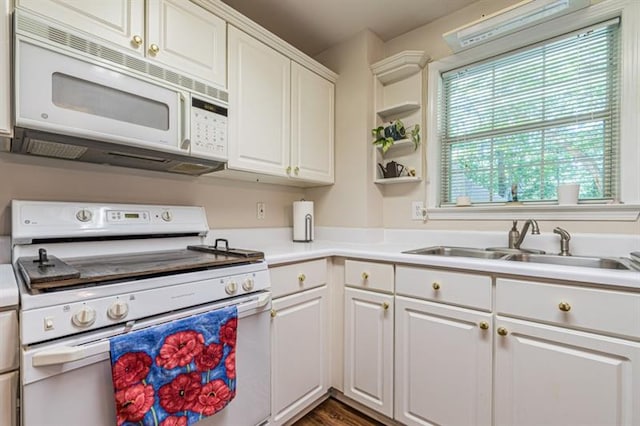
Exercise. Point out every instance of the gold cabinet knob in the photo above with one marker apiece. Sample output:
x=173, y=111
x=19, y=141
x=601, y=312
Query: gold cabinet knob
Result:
x=288, y=169
x=502, y=331
x=301, y=278
x=365, y=276
x=296, y=170
x=136, y=41
x=385, y=306
x=274, y=313
x=436, y=286
x=564, y=306
x=154, y=49
x=483, y=325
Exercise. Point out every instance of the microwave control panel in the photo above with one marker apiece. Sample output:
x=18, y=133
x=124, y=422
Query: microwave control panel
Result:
x=208, y=129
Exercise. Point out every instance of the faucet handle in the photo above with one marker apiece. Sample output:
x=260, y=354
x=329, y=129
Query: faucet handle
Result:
x=564, y=240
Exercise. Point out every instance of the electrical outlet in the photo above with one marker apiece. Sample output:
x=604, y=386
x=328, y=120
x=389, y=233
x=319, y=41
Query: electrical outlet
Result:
x=261, y=210
x=417, y=210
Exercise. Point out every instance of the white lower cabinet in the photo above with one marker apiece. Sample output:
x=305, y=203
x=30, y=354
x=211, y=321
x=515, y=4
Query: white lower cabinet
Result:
x=368, y=363
x=443, y=364
x=299, y=352
x=547, y=375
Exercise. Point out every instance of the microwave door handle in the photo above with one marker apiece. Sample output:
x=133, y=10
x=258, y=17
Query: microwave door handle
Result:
x=185, y=142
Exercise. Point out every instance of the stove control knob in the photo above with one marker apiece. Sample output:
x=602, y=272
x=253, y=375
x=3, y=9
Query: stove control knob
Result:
x=247, y=285
x=118, y=310
x=84, y=215
x=84, y=317
x=166, y=216
x=231, y=287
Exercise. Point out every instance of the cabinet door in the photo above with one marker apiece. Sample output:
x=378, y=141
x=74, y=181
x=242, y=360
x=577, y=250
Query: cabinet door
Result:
x=443, y=364
x=259, y=106
x=189, y=38
x=8, y=395
x=117, y=21
x=368, y=358
x=5, y=72
x=549, y=376
x=299, y=358
x=312, y=128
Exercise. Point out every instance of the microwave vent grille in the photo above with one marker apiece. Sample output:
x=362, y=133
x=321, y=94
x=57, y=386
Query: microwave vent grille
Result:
x=54, y=149
x=28, y=25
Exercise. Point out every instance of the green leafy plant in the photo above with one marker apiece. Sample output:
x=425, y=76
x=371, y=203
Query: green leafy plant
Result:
x=385, y=137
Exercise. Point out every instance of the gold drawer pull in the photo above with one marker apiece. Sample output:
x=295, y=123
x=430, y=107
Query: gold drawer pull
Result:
x=136, y=41
x=436, y=286
x=301, y=278
x=502, y=331
x=154, y=49
x=483, y=325
x=365, y=276
x=274, y=313
x=564, y=306
x=385, y=306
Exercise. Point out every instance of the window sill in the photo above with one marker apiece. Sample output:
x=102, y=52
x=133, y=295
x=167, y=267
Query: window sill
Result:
x=604, y=212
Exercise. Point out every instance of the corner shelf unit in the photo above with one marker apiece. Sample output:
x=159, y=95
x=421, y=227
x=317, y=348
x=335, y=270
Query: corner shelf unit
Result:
x=398, y=96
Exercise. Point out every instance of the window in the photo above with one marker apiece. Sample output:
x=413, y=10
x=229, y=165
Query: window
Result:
x=532, y=119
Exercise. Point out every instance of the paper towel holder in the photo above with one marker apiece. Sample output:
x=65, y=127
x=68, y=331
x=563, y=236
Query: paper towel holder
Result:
x=304, y=233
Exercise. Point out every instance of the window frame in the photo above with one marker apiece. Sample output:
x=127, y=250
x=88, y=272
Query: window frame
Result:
x=629, y=151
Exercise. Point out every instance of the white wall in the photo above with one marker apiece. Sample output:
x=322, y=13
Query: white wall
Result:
x=395, y=200
x=229, y=204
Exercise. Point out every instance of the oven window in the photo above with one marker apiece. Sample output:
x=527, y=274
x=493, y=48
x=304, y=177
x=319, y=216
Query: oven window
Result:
x=91, y=98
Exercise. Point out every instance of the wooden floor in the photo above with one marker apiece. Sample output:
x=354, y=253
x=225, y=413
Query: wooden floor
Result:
x=333, y=413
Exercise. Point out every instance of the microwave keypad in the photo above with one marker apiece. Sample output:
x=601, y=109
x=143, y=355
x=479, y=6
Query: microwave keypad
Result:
x=209, y=133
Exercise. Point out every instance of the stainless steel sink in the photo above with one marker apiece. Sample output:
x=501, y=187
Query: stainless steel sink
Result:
x=520, y=255
x=581, y=261
x=458, y=252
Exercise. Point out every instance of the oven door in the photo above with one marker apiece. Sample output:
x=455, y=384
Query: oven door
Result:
x=68, y=382
x=69, y=96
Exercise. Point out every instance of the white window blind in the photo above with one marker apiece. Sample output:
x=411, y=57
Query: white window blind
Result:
x=538, y=117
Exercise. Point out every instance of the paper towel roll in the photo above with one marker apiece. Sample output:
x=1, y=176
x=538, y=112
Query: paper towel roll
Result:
x=303, y=221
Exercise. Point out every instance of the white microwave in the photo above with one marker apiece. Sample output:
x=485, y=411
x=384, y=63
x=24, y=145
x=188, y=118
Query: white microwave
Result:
x=72, y=106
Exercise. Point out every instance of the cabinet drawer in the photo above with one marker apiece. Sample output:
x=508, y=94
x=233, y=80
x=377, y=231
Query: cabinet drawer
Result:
x=298, y=277
x=456, y=288
x=369, y=275
x=594, y=309
x=9, y=346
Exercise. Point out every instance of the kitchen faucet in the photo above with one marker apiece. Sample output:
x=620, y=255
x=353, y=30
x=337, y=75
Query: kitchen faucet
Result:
x=564, y=241
x=517, y=237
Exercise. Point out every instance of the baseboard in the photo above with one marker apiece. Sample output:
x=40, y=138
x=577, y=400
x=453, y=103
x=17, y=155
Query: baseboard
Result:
x=336, y=394
x=308, y=408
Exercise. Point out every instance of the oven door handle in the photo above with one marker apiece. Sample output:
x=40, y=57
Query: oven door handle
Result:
x=64, y=354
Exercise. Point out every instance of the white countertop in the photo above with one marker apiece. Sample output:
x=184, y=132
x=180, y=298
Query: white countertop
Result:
x=8, y=287
x=284, y=252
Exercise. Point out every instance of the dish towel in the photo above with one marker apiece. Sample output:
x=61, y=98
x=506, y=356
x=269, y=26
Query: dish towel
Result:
x=177, y=373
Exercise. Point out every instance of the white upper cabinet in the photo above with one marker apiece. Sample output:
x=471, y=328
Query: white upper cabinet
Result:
x=280, y=114
x=312, y=112
x=187, y=35
x=175, y=33
x=5, y=72
x=259, y=106
x=119, y=21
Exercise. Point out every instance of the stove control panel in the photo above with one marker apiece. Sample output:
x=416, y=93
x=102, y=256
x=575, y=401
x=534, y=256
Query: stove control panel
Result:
x=128, y=216
x=67, y=319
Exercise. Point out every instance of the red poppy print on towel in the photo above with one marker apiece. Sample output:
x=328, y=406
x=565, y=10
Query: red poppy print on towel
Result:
x=213, y=398
x=179, y=349
x=230, y=364
x=174, y=421
x=209, y=358
x=133, y=403
x=181, y=393
x=130, y=369
x=228, y=332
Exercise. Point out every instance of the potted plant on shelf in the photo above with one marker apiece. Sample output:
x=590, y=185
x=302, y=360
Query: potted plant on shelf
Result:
x=385, y=137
